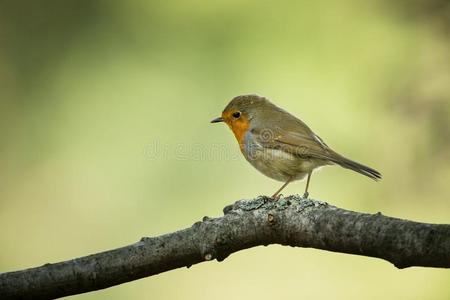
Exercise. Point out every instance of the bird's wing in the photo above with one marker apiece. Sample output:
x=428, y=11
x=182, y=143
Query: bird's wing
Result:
x=303, y=143
x=307, y=144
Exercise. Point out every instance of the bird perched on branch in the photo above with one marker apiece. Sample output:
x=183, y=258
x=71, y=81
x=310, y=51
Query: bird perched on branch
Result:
x=280, y=145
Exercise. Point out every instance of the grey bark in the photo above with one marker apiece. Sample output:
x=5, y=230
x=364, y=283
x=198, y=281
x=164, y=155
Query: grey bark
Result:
x=290, y=221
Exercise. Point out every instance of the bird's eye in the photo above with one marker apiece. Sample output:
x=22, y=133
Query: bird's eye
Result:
x=236, y=115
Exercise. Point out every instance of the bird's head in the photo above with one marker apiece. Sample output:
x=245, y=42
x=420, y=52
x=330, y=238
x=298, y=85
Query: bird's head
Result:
x=241, y=112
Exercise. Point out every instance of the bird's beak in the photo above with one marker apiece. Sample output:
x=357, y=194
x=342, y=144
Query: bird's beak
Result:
x=217, y=120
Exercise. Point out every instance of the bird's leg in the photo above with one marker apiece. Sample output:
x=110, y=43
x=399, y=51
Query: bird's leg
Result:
x=276, y=196
x=306, y=194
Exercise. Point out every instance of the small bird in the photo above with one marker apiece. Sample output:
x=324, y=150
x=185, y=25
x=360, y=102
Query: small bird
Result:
x=280, y=145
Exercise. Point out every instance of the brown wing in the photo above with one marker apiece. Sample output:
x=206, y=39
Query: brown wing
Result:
x=304, y=144
x=307, y=144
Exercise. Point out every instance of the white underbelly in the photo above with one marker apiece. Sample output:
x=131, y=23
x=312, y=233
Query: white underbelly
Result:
x=281, y=165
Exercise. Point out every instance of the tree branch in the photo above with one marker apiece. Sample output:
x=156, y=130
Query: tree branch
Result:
x=290, y=221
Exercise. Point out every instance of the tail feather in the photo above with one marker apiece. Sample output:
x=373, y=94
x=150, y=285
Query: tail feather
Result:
x=357, y=167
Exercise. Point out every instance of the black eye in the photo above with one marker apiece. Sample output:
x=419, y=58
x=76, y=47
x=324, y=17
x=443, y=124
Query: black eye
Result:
x=236, y=115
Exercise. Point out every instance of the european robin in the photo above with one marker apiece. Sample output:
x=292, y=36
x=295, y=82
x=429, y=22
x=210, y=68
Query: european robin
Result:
x=280, y=145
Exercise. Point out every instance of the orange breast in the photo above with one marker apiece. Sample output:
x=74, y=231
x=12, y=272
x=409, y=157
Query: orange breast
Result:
x=240, y=128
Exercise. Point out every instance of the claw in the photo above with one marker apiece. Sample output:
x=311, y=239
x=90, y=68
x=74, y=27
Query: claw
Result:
x=306, y=195
x=276, y=197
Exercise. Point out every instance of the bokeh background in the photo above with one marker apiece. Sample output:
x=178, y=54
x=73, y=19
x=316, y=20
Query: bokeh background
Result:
x=105, y=134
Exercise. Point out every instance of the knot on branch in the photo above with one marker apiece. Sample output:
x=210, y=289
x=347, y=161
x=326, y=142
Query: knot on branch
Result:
x=212, y=240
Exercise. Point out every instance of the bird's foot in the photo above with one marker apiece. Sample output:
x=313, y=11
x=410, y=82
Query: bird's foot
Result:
x=276, y=197
x=305, y=195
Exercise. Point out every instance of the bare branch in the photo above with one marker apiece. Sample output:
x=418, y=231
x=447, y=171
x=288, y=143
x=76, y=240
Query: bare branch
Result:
x=290, y=221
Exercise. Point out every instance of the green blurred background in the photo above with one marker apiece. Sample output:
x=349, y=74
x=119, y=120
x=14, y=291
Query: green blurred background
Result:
x=105, y=134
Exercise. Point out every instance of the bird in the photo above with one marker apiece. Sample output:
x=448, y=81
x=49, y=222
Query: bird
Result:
x=280, y=145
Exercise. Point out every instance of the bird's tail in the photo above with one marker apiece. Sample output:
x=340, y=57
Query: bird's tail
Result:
x=357, y=167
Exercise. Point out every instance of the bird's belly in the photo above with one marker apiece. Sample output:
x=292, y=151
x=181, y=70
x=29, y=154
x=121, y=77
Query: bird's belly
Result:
x=278, y=164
